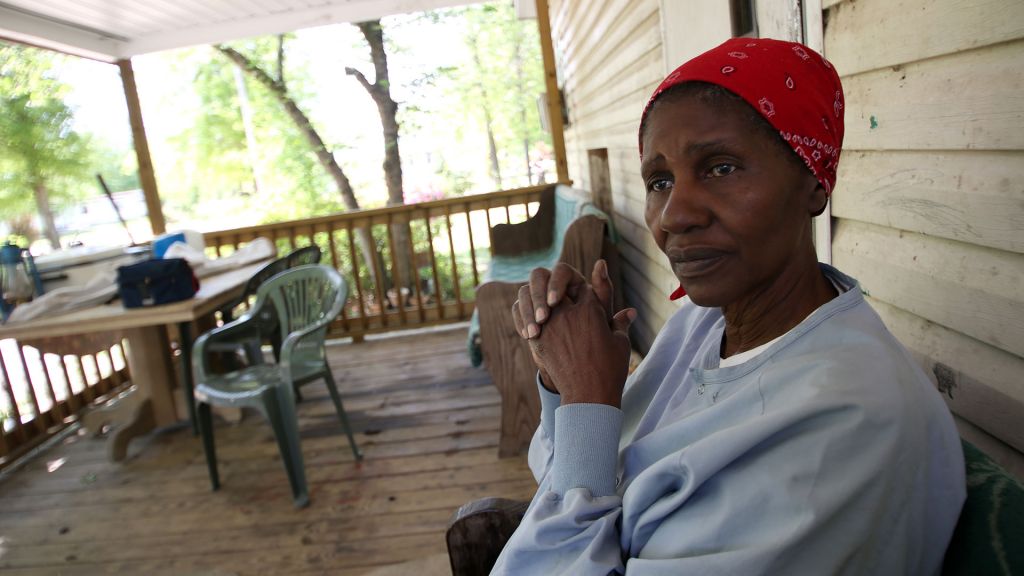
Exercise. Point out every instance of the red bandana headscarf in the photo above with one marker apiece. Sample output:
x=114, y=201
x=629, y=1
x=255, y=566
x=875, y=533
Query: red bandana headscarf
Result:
x=793, y=87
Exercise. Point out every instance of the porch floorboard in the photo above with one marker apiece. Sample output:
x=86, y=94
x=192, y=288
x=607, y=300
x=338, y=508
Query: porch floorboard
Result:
x=426, y=421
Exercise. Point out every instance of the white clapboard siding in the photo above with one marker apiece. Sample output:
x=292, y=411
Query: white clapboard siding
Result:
x=969, y=196
x=972, y=289
x=609, y=37
x=869, y=34
x=979, y=382
x=929, y=208
x=610, y=59
x=968, y=100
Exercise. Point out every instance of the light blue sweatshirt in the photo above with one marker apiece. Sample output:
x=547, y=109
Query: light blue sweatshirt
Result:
x=829, y=453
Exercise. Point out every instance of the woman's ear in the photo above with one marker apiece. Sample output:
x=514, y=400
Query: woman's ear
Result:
x=818, y=199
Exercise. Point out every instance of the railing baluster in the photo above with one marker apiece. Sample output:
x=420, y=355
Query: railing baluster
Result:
x=354, y=258
x=508, y=215
x=5, y=447
x=100, y=386
x=116, y=379
x=15, y=409
x=396, y=274
x=87, y=392
x=39, y=420
x=415, y=270
x=472, y=247
x=455, y=267
x=120, y=353
x=74, y=405
x=291, y=238
x=333, y=250
x=56, y=411
x=487, y=211
x=438, y=292
x=378, y=278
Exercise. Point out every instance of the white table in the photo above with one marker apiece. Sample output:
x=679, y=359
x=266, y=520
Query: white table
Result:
x=152, y=403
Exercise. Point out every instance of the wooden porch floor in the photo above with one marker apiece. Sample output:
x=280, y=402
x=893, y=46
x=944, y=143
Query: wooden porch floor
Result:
x=426, y=421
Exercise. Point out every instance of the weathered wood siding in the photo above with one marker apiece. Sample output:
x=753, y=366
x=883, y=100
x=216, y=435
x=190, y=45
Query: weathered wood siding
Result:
x=610, y=58
x=929, y=210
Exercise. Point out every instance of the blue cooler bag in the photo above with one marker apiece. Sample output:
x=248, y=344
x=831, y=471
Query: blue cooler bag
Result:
x=156, y=282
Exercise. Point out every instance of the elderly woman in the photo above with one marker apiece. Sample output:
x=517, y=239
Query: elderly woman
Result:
x=776, y=426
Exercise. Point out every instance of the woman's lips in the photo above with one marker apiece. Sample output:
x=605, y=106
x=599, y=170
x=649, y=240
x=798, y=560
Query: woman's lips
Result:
x=697, y=261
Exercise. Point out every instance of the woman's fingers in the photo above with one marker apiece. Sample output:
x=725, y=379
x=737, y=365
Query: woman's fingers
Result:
x=526, y=322
x=603, y=288
x=565, y=281
x=623, y=320
x=517, y=320
x=539, y=279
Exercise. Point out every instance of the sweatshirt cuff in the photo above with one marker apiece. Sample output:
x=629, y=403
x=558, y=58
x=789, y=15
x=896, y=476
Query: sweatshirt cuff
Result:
x=549, y=402
x=586, y=448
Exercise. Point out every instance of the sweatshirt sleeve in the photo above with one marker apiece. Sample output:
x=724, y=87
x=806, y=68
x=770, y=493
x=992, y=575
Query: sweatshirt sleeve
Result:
x=542, y=445
x=572, y=525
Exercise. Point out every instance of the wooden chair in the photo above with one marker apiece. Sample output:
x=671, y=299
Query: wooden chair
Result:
x=566, y=228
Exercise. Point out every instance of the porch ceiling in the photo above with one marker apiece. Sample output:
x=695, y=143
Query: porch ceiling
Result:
x=110, y=30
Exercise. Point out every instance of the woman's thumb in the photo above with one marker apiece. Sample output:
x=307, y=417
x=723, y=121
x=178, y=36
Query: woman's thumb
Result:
x=623, y=320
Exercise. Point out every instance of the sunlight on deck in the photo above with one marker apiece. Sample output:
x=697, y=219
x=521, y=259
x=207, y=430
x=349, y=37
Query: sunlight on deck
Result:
x=426, y=421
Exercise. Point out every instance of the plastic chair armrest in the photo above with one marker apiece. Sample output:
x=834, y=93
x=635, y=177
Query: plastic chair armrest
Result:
x=232, y=331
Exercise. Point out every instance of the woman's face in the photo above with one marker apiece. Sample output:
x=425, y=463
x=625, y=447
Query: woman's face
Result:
x=725, y=203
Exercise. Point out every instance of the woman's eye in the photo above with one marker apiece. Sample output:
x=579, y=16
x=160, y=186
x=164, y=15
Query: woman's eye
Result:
x=659, y=185
x=723, y=169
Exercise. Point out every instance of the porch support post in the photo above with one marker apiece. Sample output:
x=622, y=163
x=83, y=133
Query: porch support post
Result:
x=146, y=176
x=554, y=97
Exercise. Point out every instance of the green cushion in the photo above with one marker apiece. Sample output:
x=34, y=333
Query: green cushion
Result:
x=989, y=537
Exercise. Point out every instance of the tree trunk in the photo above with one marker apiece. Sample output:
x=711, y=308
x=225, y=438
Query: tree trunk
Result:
x=301, y=121
x=521, y=98
x=387, y=108
x=323, y=155
x=46, y=214
x=492, y=148
x=250, y=133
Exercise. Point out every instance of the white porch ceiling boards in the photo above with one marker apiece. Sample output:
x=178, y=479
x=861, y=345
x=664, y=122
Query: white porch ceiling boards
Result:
x=110, y=30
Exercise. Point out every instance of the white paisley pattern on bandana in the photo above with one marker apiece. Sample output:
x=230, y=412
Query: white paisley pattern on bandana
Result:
x=793, y=87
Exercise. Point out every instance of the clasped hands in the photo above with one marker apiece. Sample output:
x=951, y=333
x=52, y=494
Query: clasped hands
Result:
x=580, y=345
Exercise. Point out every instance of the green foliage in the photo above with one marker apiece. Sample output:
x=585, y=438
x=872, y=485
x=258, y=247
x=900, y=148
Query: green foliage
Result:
x=38, y=145
x=499, y=70
x=212, y=163
x=509, y=68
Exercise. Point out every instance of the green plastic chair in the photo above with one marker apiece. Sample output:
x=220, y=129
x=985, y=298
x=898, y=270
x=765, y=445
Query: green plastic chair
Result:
x=252, y=346
x=305, y=299
x=306, y=255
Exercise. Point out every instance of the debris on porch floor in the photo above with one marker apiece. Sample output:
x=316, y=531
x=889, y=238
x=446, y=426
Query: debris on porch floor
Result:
x=425, y=420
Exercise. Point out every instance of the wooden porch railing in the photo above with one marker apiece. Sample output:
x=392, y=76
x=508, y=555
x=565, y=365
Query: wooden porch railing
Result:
x=445, y=244
x=45, y=385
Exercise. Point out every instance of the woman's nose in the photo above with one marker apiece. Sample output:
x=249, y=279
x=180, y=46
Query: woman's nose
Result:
x=684, y=210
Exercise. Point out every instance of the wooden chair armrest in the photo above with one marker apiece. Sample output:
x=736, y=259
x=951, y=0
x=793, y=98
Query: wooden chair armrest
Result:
x=535, y=233
x=478, y=531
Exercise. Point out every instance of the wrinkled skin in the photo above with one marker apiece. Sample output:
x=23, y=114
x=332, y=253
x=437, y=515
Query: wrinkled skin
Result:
x=583, y=353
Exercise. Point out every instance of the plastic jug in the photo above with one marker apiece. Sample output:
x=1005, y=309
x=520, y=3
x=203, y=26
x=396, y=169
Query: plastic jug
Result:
x=19, y=279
